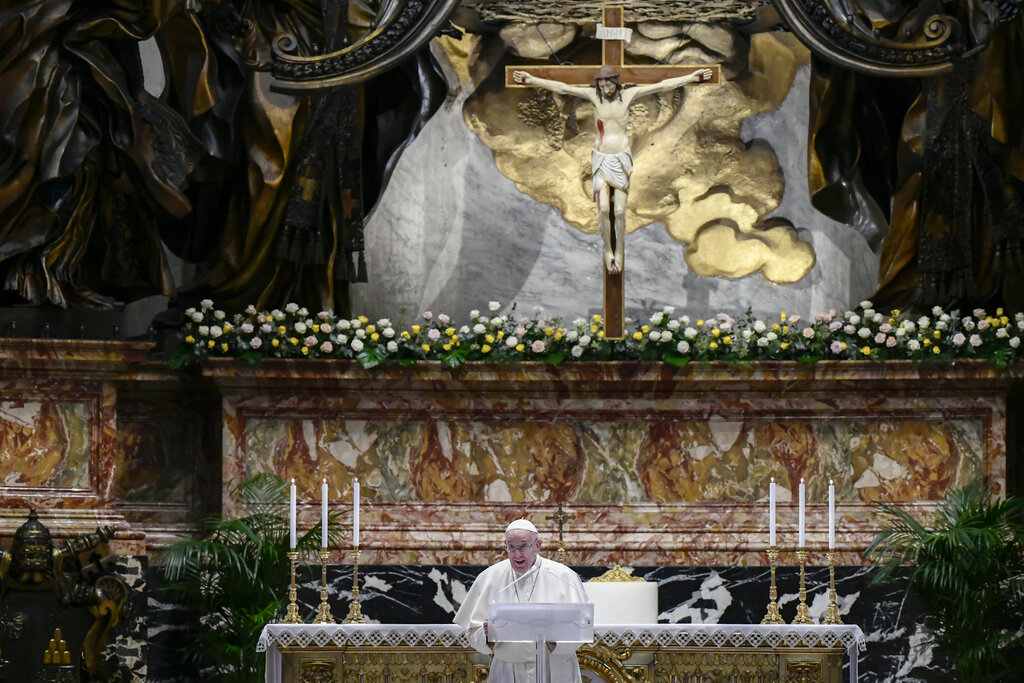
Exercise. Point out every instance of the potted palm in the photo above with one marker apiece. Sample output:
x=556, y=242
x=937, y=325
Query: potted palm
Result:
x=233, y=580
x=967, y=566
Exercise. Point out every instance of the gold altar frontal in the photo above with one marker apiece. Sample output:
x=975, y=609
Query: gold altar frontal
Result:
x=669, y=653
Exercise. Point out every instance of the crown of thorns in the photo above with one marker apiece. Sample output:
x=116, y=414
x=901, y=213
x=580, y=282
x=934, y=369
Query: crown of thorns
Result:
x=606, y=73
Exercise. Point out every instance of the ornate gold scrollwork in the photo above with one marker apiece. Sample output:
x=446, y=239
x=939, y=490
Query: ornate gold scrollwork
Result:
x=610, y=664
x=398, y=664
x=711, y=667
x=318, y=671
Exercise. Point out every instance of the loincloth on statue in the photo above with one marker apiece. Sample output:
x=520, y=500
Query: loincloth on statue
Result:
x=611, y=169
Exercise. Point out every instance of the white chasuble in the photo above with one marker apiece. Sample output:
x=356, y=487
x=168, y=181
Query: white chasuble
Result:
x=546, y=581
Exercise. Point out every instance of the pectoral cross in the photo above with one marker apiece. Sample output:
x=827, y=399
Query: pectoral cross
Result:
x=613, y=35
x=560, y=518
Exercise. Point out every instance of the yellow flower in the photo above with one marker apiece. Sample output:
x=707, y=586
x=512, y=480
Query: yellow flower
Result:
x=895, y=312
x=520, y=348
x=415, y=329
x=282, y=329
x=369, y=329
x=844, y=345
x=375, y=336
x=446, y=347
x=775, y=327
x=485, y=348
x=716, y=332
x=728, y=340
x=597, y=317
x=645, y=329
x=927, y=342
x=782, y=316
x=455, y=339
x=275, y=343
x=593, y=329
x=489, y=338
x=450, y=331
x=559, y=333
x=223, y=346
x=999, y=311
x=363, y=319
x=426, y=348
x=305, y=350
x=600, y=335
x=190, y=339
x=713, y=345
x=294, y=341
x=937, y=334
x=316, y=329
x=405, y=335
x=785, y=329
x=1004, y=320
x=501, y=334
x=892, y=321
x=936, y=349
x=227, y=327
x=211, y=343
x=700, y=323
x=784, y=345
x=548, y=331
x=866, y=350
x=638, y=336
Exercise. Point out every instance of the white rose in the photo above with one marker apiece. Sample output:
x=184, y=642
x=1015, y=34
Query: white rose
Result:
x=863, y=333
x=666, y=337
x=668, y=310
x=216, y=331
x=511, y=341
x=585, y=340
x=342, y=339
x=204, y=330
x=360, y=334
x=762, y=342
x=1015, y=342
x=683, y=347
x=392, y=346
x=357, y=345
x=657, y=318
x=913, y=345
x=759, y=326
x=291, y=308
x=655, y=335
x=218, y=315
x=689, y=333
x=854, y=319
x=866, y=304
x=576, y=351
x=389, y=332
x=673, y=325
x=206, y=304
x=197, y=317
x=1002, y=333
x=300, y=327
x=493, y=305
x=771, y=336
x=572, y=335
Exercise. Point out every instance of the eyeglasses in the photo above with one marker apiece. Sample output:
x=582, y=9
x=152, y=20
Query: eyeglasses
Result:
x=520, y=548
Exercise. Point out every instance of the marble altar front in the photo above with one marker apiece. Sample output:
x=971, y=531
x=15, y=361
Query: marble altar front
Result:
x=640, y=653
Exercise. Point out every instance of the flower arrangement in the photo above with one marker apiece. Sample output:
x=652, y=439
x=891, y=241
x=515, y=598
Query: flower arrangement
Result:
x=494, y=335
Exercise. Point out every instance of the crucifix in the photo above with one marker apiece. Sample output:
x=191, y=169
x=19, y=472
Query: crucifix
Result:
x=560, y=518
x=612, y=159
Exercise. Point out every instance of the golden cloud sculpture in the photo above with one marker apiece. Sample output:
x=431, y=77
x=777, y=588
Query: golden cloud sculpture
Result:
x=692, y=171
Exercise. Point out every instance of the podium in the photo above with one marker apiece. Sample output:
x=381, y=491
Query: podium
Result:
x=542, y=623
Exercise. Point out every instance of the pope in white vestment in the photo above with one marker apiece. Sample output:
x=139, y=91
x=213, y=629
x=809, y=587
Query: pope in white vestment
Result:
x=524, y=577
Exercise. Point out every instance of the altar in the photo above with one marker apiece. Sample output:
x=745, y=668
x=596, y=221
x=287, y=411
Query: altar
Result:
x=627, y=653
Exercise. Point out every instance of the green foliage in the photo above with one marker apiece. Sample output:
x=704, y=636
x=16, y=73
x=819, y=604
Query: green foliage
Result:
x=968, y=570
x=234, y=580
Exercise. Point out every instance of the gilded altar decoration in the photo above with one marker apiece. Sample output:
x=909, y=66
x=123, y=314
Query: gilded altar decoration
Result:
x=614, y=575
x=63, y=607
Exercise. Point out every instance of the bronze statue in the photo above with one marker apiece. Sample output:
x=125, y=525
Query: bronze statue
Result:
x=55, y=612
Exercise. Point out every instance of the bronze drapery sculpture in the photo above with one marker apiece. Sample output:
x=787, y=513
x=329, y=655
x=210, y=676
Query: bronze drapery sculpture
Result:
x=943, y=157
x=102, y=169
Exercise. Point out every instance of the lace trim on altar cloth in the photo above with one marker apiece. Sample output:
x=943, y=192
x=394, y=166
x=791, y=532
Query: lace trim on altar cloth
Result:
x=663, y=635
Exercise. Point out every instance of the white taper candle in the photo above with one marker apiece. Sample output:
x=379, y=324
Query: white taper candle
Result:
x=291, y=515
x=355, y=513
x=771, y=513
x=831, y=515
x=323, y=514
x=801, y=541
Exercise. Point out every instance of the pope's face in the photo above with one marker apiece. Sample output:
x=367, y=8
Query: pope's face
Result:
x=522, y=547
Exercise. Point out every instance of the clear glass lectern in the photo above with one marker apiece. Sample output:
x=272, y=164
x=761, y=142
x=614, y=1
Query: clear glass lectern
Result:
x=542, y=623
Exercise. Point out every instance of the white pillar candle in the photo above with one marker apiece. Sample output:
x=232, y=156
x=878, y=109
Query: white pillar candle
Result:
x=831, y=515
x=771, y=513
x=323, y=514
x=355, y=513
x=291, y=516
x=800, y=543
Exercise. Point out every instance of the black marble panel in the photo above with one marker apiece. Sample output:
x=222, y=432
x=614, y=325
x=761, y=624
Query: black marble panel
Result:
x=898, y=648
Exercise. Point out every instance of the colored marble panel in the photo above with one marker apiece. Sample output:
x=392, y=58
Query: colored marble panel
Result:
x=46, y=443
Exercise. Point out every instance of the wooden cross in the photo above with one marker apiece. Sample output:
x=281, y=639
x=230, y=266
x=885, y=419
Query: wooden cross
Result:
x=560, y=518
x=613, y=50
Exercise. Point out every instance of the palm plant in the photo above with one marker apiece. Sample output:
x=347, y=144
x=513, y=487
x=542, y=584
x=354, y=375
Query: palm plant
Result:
x=233, y=580
x=968, y=570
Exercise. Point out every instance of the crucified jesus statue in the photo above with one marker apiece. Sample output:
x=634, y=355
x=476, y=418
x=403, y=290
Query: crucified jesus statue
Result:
x=611, y=159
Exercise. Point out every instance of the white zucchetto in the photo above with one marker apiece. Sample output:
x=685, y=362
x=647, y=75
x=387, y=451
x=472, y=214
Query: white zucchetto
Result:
x=523, y=524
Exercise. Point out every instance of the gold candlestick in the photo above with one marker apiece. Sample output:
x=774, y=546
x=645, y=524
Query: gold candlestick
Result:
x=802, y=616
x=323, y=613
x=832, y=612
x=355, y=614
x=292, y=615
x=773, y=616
